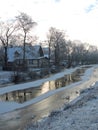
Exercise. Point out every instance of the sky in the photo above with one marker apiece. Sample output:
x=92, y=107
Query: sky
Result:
x=78, y=18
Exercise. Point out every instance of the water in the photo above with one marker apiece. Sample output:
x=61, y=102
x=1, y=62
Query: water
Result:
x=22, y=96
x=17, y=119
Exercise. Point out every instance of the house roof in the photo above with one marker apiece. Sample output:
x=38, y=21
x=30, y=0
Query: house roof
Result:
x=16, y=52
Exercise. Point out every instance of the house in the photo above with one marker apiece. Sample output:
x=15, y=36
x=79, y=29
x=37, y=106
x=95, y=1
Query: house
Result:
x=34, y=56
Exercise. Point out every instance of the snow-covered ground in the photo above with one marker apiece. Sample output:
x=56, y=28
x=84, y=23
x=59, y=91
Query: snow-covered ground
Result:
x=5, y=77
x=36, y=83
x=79, y=114
x=54, y=122
x=10, y=106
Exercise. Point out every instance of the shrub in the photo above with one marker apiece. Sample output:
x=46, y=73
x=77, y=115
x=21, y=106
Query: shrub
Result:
x=33, y=75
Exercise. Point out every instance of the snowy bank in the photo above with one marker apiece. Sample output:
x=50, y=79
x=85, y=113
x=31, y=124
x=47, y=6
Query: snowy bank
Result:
x=17, y=119
x=13, y=105
x=80, y=114
x=4, y=105
x=36, y=83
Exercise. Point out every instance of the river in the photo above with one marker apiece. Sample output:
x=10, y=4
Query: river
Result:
x=17, y=119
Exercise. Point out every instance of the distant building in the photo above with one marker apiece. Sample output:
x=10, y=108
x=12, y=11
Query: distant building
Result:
x=34, y=56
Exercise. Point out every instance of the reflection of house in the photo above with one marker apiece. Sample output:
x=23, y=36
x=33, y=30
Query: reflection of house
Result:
x=34, y=56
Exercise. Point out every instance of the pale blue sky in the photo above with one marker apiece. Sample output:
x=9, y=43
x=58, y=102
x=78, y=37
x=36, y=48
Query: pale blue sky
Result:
x=79, y=18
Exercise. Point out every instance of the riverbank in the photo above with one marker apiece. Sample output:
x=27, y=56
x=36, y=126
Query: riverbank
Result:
x=40, y=106
x=80, y=114
x=10, y=106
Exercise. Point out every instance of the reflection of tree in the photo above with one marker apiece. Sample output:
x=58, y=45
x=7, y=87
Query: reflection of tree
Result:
x=63, y=81
x=14, y=95
x=27, y=94
x=51, y=85
x=6, y=96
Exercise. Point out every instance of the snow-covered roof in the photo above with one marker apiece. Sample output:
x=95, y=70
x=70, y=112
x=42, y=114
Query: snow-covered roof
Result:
x=16, y=52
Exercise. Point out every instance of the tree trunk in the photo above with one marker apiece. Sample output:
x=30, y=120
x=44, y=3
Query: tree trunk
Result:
x=24, y=52
x=49, y=59
x=5, y=59
x=57, y=58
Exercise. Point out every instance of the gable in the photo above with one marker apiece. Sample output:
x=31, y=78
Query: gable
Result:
x=41, y=51
x=16, y=54
x=11, y=52
x=32, y=52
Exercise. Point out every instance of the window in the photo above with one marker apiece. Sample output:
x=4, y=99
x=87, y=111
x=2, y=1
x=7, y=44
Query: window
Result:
x=30, y=61
x=19, y=61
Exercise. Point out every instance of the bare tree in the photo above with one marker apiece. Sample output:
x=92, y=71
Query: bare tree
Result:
x=92, y=55
x=56, y=38
x=7, y=29
x=25, y=23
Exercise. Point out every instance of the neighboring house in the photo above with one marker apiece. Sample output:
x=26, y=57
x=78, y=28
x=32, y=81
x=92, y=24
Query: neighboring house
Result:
x=34, y=56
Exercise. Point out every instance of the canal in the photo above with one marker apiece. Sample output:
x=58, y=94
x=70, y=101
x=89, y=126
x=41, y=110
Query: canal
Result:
x=25, y=95
x=19, y=118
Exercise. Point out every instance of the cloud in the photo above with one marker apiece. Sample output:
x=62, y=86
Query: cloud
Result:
x=78, y=17
x=57, y=0
x=92, y=6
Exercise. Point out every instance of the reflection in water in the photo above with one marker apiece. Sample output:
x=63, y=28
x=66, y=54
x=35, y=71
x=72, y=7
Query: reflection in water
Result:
x=21, y=96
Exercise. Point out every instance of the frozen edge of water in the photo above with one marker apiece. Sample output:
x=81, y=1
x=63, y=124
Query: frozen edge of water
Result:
x=37, y=83
x=13, y=105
